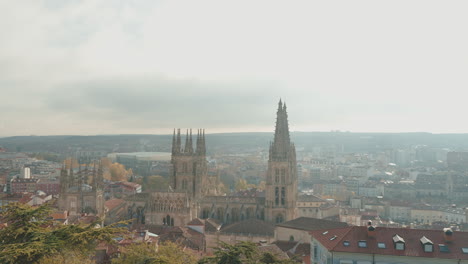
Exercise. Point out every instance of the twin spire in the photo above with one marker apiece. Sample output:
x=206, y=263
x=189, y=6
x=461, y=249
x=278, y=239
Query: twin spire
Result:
x=188, y=148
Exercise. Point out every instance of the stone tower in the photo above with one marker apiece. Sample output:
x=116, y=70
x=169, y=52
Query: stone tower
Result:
x=76, y=196
x=281, y=182
x=189, y=165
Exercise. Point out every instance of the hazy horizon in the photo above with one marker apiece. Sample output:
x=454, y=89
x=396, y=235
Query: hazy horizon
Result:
x=144, y=67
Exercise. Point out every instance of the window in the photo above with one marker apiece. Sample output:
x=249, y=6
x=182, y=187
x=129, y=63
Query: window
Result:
x=283, y=195
x=279, y=218
x=428, y=248
x=443, y=248
x=362, y=244
x=346, y=243
x=276, y=195
x=427, y=244
x=277, y=175
x=465, y=250
x=399, y=246
x=381, y=245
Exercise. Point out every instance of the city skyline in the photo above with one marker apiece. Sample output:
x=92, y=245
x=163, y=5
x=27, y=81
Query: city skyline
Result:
x=145, y=67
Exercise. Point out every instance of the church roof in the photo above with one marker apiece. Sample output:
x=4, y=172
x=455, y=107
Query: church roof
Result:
x=196, y=222
x=250, y=227
x=212, y=225
x=309, y=224
x=309, y=198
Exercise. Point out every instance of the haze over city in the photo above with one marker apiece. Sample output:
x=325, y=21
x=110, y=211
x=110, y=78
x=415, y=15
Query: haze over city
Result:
x=105, y=67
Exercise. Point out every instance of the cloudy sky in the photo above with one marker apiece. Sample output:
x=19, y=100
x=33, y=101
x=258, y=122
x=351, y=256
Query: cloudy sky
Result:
x=147, y=66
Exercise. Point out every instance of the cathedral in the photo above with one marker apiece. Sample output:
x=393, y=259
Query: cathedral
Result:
x=193, y=193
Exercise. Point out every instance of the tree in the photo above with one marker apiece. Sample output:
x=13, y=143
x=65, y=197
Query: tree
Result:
x=167, y=253
x=242, y=184
x=67, y=257
x=31, y=237
x=242, y=253
x=118, y=172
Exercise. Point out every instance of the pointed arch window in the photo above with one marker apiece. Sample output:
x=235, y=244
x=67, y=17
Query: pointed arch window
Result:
x=283, y=175
x=283, y=195
x=184, y=184
x=279, y=218
x=168, y=220
x=277, y=175
x=277, y=196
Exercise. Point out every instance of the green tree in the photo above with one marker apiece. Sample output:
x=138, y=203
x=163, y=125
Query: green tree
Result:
x=167, y=253
x=242, y=253
x=31, y=236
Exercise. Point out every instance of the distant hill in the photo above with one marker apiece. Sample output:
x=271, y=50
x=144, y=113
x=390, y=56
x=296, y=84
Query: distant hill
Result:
x=235, y=142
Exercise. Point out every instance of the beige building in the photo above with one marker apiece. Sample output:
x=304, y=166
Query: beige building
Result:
x=298, y=229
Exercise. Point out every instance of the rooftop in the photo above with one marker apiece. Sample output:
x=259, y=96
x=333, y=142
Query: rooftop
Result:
x=355, y=239
x=250, y=226
x=309, y=224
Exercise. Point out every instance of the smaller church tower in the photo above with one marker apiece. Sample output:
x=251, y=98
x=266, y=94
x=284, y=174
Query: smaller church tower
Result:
x=189, y=165
x=281, y=182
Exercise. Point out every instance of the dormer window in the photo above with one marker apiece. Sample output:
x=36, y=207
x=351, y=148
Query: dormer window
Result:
x=428, y=248
x=362, y=244
x=427, y=244
x=399, y=242
x=400, y=246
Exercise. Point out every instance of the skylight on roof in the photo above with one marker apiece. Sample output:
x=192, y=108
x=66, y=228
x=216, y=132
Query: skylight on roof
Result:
x=381, y=245
x=443, y=248
x=346, y=243
x=333, y=238
x=362, y=244
x=324, y=233
x=465, y=250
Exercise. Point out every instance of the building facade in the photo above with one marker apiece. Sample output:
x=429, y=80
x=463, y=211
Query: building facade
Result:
x=77, y=196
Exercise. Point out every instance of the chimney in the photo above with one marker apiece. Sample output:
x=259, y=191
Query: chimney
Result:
x=448, y=235
x=370, y=229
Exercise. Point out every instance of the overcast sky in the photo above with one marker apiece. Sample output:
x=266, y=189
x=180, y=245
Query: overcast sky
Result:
x=114, y=67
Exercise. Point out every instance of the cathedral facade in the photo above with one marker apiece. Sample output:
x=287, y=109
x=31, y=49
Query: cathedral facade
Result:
x=194, y=193
x=79, y=197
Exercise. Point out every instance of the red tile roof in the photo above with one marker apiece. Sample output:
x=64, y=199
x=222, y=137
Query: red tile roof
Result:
x=412, y=237
x=112, y=203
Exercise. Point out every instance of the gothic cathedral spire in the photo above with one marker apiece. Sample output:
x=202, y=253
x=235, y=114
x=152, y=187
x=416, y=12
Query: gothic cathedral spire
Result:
x=281, y=185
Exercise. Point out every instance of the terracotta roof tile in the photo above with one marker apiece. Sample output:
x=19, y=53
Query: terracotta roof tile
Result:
x=412, y=238
x=113, y=203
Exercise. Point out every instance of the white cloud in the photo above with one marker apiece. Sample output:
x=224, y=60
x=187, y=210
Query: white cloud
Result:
x=350, y=65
